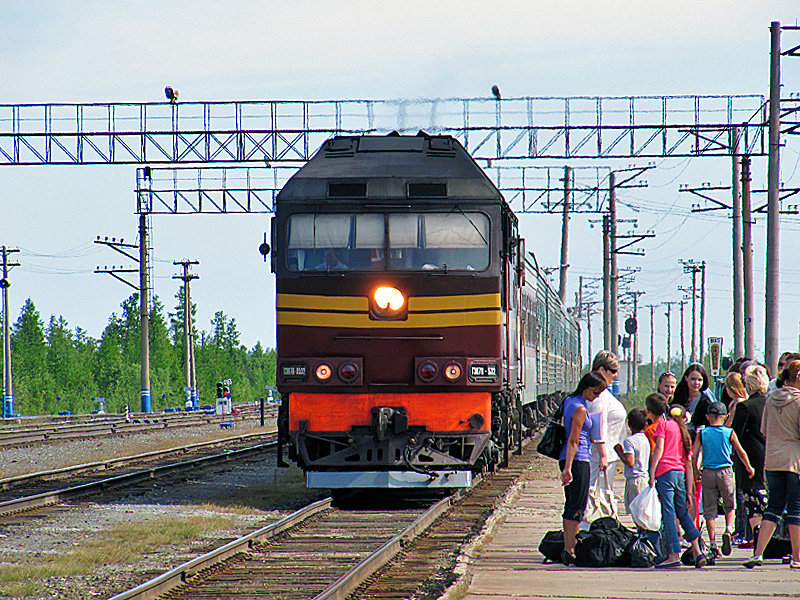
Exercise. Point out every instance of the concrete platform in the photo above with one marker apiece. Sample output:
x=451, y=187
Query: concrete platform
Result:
x=508, y=564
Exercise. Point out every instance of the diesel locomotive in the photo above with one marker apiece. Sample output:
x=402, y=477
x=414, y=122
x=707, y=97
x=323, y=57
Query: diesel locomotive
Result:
x=417, y=340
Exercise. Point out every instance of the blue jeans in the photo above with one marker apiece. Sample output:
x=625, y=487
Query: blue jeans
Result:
x=783, y=492
x=671, y=489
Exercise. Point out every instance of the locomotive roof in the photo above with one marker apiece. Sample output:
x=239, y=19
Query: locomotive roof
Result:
x=390, y=167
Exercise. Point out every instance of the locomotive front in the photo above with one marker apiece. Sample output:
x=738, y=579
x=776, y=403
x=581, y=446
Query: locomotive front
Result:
x=391, y=262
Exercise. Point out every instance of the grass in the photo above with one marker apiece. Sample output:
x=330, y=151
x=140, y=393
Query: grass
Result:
x=123, y=544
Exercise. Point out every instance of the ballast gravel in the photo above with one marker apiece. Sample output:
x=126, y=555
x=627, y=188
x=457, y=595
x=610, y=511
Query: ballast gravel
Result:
x=33, y=537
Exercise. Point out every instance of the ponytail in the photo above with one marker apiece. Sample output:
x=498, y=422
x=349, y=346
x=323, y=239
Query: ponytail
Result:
x=678, y=414
x=789, y=373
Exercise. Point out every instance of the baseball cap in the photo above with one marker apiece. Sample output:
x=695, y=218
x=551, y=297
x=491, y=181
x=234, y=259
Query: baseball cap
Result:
x=717, y=408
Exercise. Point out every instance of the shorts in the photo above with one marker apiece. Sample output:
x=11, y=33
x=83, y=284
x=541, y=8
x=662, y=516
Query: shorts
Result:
x=633, y=486
x=755, y=502
x=576, y=494
x=716, y=483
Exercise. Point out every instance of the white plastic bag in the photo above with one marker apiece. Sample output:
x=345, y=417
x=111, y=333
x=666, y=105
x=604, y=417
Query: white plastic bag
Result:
x=646, y=509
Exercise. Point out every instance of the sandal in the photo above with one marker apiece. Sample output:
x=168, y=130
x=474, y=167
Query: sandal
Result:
x=567, y=559
x=675, y=564
x=700, y=561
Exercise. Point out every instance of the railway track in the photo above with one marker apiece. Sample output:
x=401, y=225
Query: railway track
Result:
x=325, y=553
x=27, y=433
x=36, y=490
x=319, y=552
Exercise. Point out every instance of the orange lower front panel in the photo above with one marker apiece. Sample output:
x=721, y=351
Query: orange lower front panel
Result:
x=448, y=411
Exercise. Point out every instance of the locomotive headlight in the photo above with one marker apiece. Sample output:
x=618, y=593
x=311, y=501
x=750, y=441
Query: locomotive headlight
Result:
x=389, y=299
x=452, y=372
x=323, y=372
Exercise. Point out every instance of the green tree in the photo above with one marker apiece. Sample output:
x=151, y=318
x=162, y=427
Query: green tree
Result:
x=29, y=356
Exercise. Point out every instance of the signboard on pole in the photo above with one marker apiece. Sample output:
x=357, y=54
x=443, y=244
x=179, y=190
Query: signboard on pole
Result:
x=715, y=354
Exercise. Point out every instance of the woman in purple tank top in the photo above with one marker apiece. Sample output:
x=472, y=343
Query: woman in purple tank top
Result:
x=574, y=463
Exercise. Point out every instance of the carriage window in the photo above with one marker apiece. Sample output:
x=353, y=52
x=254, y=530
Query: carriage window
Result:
x=416, y=241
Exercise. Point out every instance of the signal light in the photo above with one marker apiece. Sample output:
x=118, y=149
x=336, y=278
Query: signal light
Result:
x=323, y=372
x=348, y=372
x=452, y=372
x=427, y=371
x=220, y=390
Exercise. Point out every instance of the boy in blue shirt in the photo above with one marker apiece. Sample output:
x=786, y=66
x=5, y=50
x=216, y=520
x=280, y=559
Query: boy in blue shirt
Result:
x=712, y=449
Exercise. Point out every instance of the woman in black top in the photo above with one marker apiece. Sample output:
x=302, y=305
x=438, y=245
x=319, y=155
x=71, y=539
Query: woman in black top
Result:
x=692, y=394
x=747, y=425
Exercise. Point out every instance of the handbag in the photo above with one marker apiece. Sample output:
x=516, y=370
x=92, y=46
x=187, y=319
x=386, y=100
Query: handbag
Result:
x=646, y=509
x=554, y=436
x=601, y=502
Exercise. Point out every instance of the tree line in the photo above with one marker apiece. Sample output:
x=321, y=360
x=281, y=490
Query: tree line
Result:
x=57, y=368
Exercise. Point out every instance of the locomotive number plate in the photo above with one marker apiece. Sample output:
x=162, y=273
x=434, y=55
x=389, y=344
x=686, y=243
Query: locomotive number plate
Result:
x=294, y=372
x=483, y=372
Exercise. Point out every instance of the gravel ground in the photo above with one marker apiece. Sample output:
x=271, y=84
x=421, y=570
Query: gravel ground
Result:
x=266, y=493
x=41, y=457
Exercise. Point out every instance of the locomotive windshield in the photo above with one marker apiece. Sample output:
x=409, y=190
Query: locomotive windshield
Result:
x=407, y=242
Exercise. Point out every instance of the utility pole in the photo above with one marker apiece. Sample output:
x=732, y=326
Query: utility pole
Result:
x=689, y=266
x=562, y=274
x=702, y=311
x=613, y=273
x=738, y=291
x=606, y=284
x=634, y=345
x=186, y=277
x=772, y=288
x=8, y=383
x=636, y=339
x=668, y=314
x=652, y=349
x=747, y=260
x=683, y=342
x=144, y=316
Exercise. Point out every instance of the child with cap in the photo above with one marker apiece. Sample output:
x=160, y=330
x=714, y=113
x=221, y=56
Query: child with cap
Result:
x=714, y=444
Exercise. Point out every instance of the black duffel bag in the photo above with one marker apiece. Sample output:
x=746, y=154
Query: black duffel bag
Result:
x=604, y=545
x=551, y=546
x=641, y=553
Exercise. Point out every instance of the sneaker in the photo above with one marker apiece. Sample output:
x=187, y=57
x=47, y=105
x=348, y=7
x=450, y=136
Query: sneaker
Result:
x=755, y=561
x=726, y=543
x=746, y=544
x=795, y=564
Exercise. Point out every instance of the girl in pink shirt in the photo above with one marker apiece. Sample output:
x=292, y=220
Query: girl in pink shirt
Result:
x=670, y=473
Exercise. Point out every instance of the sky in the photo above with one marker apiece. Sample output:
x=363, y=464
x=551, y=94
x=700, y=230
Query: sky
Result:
x=96, y=51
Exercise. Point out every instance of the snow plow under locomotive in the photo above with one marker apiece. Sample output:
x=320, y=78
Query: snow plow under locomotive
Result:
x=417, y=341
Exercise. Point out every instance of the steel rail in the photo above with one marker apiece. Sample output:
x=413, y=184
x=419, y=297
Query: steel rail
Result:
x=182, y=573
x=346, y=584
x=62, y=495
x=339, y=590
x=9, y=482
x=50, y=433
